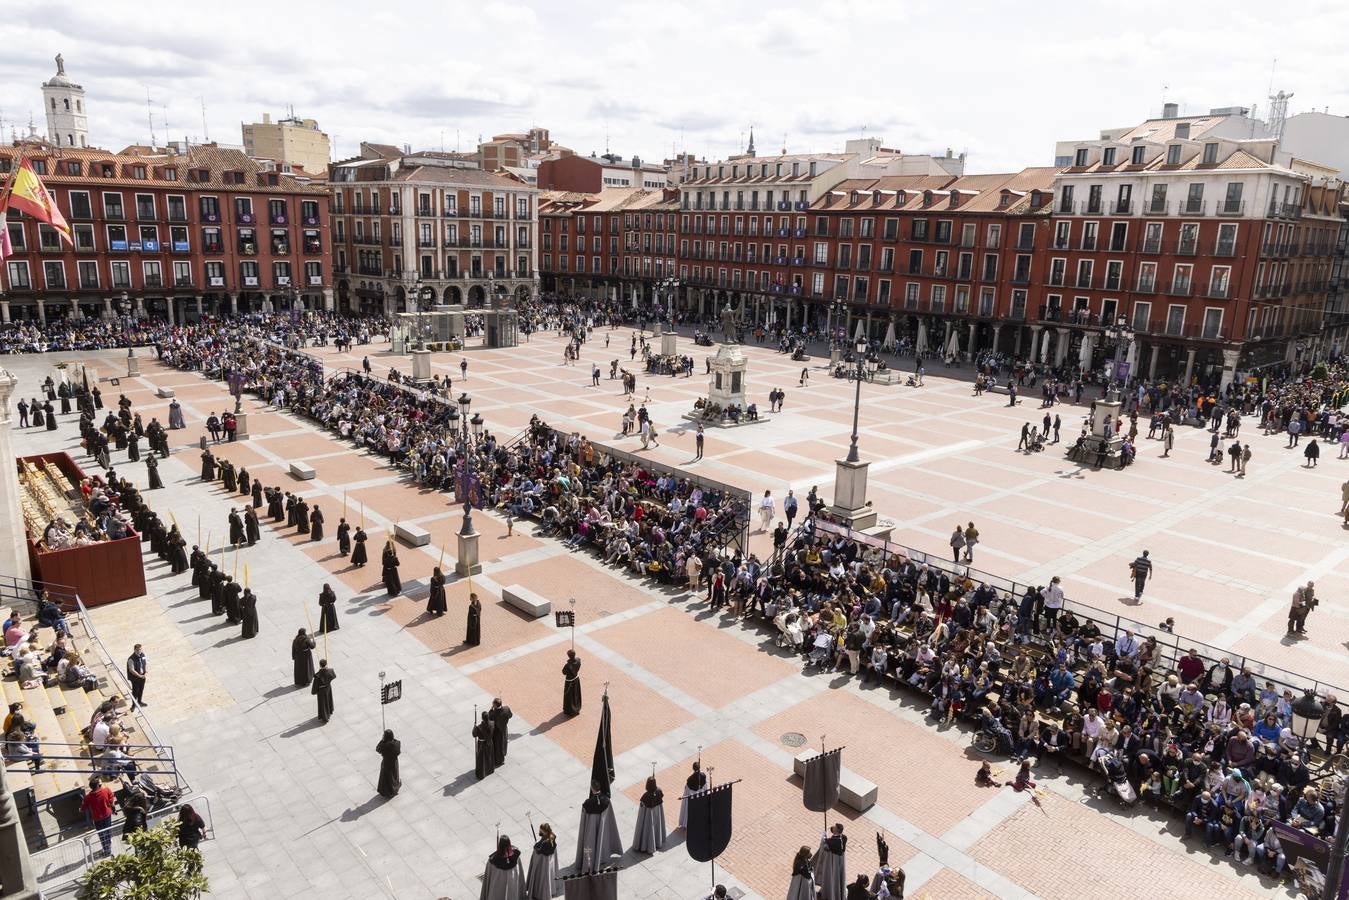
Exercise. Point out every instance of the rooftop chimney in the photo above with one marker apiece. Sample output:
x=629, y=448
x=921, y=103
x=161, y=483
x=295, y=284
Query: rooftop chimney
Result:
x=1170, y=110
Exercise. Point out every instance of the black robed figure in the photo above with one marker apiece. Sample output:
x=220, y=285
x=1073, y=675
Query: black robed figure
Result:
x=322, y=688
x=435, y=603
x=473, y=634
x=389, y=570
x=484, y=762
x=358, y=555
x=343, y=537
x=327, y=610
x=571, y=685
x=388, y=749
x=302, y=654
x=248, y=613
x=501, y=716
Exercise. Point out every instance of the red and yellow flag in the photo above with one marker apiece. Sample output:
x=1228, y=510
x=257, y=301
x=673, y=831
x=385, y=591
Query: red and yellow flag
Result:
x=29, y=195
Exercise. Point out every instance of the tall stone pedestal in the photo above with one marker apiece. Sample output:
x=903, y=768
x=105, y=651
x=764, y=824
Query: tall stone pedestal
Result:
x=133, y=366
x=668, y=344
x=727, y=377
x=850, y=495
x=13, y=546
x=421, y=365
x=468, y=561
x=241, y=426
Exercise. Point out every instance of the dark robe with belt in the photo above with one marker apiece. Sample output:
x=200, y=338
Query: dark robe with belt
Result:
x=251, y=530
x=389, y=782
x=302, y=654
x=218, y=579
x=257, y=493
x=37, y=419
x=435, y=604
x=327, y=611
x=484, y=762
x=322, y=688
x=316, y=524
x=208, y=466
x=473, y=633
x=236, y=529
x=571, y=687
x=64, y=393
x=227, y=476
x=133, y=448
x=291, y=503
x=197, y=561
x=501, y=717
x=302, y=517
x=51, y=416
x=152, y=473
x=358, y=556
x=248, y=613
x=245, y=486
x=274, y=506
x=344, y=538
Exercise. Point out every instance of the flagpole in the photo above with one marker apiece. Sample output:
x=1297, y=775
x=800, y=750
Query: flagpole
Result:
x=826, y=808
x=9, y=185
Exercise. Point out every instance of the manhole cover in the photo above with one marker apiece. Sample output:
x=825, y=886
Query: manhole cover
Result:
x=793, y=739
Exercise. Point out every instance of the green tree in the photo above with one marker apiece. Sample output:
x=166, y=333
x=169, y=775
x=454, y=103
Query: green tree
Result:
x=155, y=869
x=1319, y=372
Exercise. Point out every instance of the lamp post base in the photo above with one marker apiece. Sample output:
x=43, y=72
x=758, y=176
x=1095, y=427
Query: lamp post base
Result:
x=241, y=426
x=467, y=562
x=850, y=495
x=421, y=365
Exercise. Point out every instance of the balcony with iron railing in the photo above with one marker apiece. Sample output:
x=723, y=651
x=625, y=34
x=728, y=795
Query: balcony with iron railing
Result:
x=1179, y=288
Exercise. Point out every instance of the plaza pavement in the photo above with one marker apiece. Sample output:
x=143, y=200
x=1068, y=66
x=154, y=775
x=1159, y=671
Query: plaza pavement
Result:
x=293, y=802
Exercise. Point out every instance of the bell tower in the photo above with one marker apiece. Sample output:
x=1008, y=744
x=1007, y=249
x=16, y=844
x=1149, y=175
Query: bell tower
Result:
x=63, y=102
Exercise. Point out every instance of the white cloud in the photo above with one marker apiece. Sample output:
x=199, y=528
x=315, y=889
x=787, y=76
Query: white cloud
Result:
x=1002, y=81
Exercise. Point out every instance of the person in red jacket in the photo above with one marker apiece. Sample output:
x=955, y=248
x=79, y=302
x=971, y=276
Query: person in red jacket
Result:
x=98, y=802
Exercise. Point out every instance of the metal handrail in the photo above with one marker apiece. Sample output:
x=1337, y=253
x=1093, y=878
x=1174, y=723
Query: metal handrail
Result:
x=116, y=676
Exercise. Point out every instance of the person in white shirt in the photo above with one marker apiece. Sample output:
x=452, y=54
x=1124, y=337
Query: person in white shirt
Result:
x=1091, y=730
x=1126, y=645
x=1053, y=602
x=767, y=509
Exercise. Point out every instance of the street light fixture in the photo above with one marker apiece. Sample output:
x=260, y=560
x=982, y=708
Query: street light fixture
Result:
x=838, y=309
x=469, y=429
x=861, y=363
x=1120, y=335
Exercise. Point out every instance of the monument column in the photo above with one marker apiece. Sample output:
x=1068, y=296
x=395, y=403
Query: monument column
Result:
x=14, y=549
x=328, y=302
x=4, y=310
x=1061, y=346
x=41, y=311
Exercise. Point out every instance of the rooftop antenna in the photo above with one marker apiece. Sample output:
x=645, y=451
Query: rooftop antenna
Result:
x=164, y=114
x=150, y=115
x=442, y=140
x=784, y=143
x=1278, y=113
x=205, y=133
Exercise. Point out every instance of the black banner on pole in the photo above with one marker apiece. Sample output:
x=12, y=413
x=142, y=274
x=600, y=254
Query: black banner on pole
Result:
x=823, y=772
x=391, y=692
x=564, y=618
x=602, y=885
x=709, y=818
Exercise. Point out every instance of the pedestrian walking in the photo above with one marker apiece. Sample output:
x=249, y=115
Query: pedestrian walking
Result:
x=1312, y=453
x=957, y=542
x=767, y=510
x=698, y=442
x=1141, y=569
x=137, y=669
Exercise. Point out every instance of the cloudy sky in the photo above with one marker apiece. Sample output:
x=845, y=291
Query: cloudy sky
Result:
x=1001, y=81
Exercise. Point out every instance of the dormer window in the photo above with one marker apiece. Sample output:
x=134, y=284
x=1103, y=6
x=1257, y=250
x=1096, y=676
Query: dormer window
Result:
x=1108, y=156
x=1080, y=158
x=1173, y=155
x=1210, y=154
x=1139, y=155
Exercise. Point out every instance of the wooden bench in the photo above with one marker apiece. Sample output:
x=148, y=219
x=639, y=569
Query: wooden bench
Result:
x=412, y=535
x=525, y=600
x=164, y=393
x=302, y=470
x=854, y=791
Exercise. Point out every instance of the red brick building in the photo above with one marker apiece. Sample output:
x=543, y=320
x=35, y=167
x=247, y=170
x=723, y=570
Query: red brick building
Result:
x=618, y=243
x=166, y=232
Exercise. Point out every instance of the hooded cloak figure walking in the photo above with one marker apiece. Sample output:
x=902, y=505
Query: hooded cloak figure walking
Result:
x=251, y=530
x=176, y=415
x=435, y=603
x=571, y=685
x=207, y=466
x=541, y=882
x=803, y=877
x=831, y=875
x=504, y=878
x=152, y=473
x=315, y=524
x=483, y=760
x=696, y=783
x=322, y=688
x=597, y=839
x=236, y=528
x=327, y=610
x=649, y=837
x=302, y=654
x=388, y=749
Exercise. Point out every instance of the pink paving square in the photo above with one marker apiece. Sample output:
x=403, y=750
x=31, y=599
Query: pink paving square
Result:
x=1078, y=839
x=532, y=685
x=683, y=640
x=502, y=626
x=562, y=578
x=921, y=776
